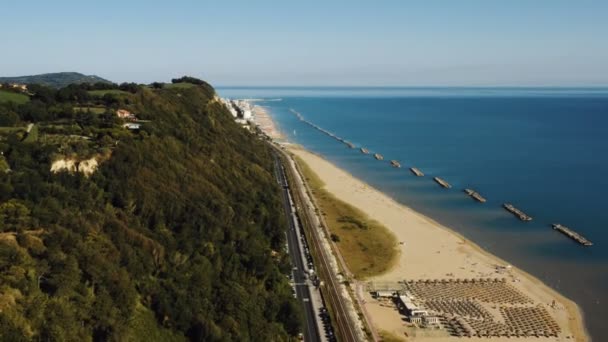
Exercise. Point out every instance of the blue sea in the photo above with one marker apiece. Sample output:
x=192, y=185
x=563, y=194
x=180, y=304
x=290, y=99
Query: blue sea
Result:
x=543, y=149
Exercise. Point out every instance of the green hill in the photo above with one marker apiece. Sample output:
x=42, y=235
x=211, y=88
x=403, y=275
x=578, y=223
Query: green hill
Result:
x=55, y=80
x=178, y=234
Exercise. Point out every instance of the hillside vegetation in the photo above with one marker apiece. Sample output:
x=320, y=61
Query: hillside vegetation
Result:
x=55, y=80
x=178, y=235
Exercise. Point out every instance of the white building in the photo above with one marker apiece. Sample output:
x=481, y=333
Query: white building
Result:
x=247, y=115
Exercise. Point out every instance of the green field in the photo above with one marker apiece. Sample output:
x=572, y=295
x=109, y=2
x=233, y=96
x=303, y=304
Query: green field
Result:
x=368, y=247
x=101, y=93
x=11, y=129
x=7, y=96
x=59, y=139
x=32, y=136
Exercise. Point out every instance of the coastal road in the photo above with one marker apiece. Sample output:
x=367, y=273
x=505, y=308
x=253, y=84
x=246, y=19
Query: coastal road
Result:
x=346, y=328
x=311, y=329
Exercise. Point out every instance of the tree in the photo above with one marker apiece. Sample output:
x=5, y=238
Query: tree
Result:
x=34, y=111
x=42, y=93
x=13, y=215
x=8, y=117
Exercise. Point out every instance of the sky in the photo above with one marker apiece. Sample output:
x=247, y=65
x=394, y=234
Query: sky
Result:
x=308, y=43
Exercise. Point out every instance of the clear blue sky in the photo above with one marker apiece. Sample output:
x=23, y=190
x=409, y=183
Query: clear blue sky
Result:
x=527, y=42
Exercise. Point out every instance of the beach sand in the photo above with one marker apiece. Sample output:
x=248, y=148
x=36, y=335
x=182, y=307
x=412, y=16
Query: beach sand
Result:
x=265, y=122
x=429, y=250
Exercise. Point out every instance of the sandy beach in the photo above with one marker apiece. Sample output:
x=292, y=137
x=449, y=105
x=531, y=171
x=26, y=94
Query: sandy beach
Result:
x=265, y=122
x=429, y=250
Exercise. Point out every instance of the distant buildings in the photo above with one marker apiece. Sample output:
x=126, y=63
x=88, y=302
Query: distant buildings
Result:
x=241, y=110
x=22, y=87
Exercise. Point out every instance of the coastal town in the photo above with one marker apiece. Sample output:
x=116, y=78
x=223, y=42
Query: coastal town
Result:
x=252, y=116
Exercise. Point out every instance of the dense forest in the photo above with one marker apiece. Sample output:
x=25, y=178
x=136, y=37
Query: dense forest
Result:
x=177, y=235
x=55, y=80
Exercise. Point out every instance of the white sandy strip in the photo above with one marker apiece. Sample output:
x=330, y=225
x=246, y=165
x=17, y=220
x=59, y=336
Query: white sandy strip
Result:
x=432, y=251
x=265, y=122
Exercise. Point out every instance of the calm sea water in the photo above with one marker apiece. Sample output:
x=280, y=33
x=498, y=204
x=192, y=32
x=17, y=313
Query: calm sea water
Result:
x=544, y=150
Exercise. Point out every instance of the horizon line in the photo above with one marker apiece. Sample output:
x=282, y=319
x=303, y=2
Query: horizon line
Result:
x=418, y=86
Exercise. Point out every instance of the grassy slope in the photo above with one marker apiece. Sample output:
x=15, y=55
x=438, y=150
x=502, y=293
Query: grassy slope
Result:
x=11, y=129
x=390, y=337
x=367, y=246
x=32, y=136
x=6, y=96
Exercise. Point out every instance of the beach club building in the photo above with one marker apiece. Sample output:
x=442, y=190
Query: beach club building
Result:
x=416, y=314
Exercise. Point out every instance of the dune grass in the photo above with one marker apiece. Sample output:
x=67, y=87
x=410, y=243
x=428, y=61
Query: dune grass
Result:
x=368, y=248
x=7, y=96
x=390, y=337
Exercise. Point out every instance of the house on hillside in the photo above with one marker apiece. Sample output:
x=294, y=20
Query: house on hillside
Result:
x=125, y=114
x=22, y=87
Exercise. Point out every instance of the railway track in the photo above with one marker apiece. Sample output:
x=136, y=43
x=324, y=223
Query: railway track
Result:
x=345, y=328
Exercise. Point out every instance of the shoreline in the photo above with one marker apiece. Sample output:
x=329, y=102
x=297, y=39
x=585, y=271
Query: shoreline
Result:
x=265, y=122
x=412, y=227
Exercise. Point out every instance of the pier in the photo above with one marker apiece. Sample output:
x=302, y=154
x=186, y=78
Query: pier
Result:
x=476, y=196
x=572, y=234
x=520, y=214
x=416, y=172
x=442, y=182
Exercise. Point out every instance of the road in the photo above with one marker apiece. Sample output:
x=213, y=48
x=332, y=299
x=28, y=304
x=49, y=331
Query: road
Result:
x=311, y=329
x=346, y=328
